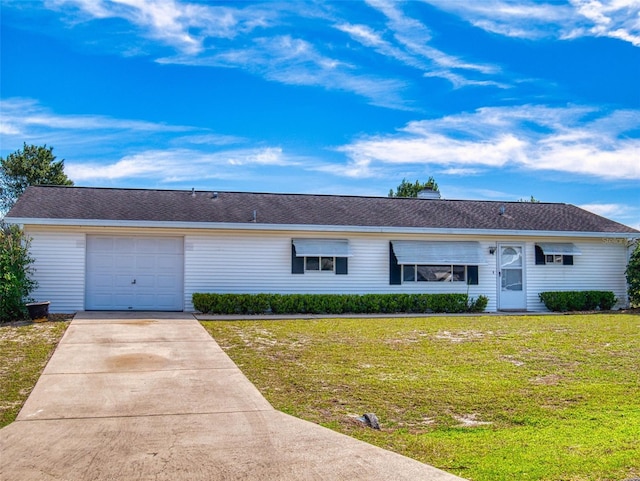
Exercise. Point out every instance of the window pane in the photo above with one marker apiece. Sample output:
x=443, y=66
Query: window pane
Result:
x=553, y=258
x=511, y=257
x=459, y=273
x=408, y=273
x=512, y=279
x=312, y=263
x=327, y=263
x=434, y=273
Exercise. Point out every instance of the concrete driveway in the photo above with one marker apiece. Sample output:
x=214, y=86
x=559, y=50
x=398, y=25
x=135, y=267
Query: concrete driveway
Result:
x=151, y=396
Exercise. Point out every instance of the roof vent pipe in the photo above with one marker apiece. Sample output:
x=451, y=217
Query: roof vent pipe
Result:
x=193, y=192
x=428, y=194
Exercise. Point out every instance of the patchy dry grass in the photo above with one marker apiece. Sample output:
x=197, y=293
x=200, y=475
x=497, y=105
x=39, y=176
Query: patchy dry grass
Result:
x=24, y=352
x=487, y=397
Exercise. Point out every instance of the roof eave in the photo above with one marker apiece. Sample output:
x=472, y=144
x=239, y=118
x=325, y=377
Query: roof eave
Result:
x=251, y=226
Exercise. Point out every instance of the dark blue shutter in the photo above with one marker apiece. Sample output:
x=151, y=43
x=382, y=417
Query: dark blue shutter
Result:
x=472, y=275
x=540, y=256
x=297, y=263
x=342, y=265
x=395, y=269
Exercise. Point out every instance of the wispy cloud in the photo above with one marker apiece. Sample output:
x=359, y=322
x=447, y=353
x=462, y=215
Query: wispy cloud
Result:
x=259, y=38
x=23, y=117
x=101, y=149
x=183, y=26
x=408, y=42
x=169, y=165
x=577, y=140
x=295, y=61
x=527, y=19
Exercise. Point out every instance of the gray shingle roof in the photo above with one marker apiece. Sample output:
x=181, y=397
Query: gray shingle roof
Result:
x=47, y=202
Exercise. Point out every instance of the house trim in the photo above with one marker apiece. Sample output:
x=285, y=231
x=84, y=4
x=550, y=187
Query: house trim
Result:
x=315, y=228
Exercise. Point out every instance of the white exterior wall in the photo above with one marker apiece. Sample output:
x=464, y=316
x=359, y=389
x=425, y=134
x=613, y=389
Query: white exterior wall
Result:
x=601, y=267
x=236, y=261
x=59, y=268
x=245, y=262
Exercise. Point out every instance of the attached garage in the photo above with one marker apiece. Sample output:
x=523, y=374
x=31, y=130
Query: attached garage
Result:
x=134, y=273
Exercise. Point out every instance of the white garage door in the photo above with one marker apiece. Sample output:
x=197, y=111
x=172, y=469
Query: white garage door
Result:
x=134, y=273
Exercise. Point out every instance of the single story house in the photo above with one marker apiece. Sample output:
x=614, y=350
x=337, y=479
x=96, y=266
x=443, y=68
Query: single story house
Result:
x=141, y=249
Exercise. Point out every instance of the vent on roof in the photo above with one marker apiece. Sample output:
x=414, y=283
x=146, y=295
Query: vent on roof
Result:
x=428, y=194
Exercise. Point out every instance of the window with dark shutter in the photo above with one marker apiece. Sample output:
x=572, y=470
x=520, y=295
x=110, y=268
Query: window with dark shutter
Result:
x=320, y=256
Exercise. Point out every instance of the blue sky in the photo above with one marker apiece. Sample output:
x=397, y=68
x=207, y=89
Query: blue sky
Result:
x=496, y=99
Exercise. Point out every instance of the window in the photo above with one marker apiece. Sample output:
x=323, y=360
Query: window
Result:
x=319, y=263
x=320, y=255
x=556, y=253
x=553, y=259
x=434, y=261
x=433, y=273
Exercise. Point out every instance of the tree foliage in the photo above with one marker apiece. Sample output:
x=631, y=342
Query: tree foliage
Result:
x=533, y=200
x=31, y=165
x=407, y=189
x=15, y=271
x=633, y=276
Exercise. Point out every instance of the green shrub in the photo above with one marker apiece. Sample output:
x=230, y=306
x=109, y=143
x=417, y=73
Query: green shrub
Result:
x=633, y=276
x=213, y=303
x=563, y=301
x=15, y=271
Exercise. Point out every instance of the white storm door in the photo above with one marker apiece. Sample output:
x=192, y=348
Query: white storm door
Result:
x=134, y=273
x=512, y=295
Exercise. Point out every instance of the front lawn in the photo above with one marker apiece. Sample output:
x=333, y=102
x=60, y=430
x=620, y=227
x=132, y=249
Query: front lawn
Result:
x=487, y=397
x=24, y=352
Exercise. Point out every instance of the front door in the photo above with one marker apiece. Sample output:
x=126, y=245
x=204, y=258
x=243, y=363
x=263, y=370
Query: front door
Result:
x=512, y=295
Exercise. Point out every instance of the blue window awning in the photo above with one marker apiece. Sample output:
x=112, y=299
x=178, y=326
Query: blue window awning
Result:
x=559, y=248
x=438, y=252
x=321, y=247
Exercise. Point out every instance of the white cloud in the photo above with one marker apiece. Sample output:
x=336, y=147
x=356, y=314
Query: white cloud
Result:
x=176, y=165
x=575, y=140
x=257, y=38
x=618, y=19
x=409, y=44
x=606, y=210
x=295, y=61
x=20, y=116
x=182, y=25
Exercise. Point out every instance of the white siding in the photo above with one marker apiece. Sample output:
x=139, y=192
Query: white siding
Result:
x=261, y=263
x=59, y=264
x=600, y=267
x=254, y=262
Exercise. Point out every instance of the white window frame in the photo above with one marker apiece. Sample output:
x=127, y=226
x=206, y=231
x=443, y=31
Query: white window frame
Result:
x=320, y=269
x=415, y=273
x=553, y=259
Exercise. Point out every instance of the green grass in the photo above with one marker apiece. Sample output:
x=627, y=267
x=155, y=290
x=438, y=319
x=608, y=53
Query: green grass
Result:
x=24, y=352
x=487, y=398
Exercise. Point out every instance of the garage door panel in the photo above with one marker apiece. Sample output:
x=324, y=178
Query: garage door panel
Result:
x=168, y=261
x=145, y=281
x=103, y=280
x=123, y=262
x=170, y=246
x=146, y=262
x=124, y=244
x=156, y=265
x=122, y=280
x=103, y=261
x=167, y=282
x=100, y=244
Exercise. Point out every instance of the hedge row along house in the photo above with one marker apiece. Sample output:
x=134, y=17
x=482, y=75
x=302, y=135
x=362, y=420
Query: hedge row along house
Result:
x=135, y=249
